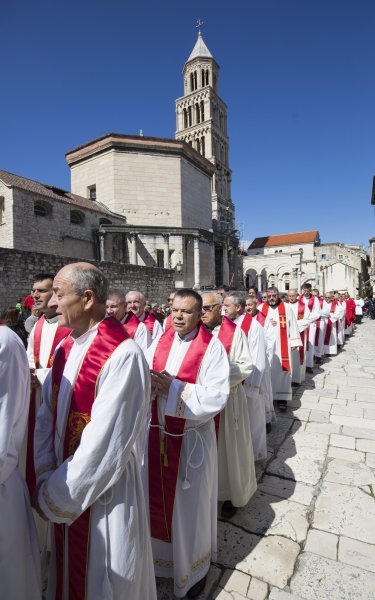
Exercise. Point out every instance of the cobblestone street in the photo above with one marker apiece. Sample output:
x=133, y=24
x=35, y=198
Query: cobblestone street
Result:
x=309, y=531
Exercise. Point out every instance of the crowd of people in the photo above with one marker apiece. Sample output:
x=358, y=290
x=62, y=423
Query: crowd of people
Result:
x=124, y=424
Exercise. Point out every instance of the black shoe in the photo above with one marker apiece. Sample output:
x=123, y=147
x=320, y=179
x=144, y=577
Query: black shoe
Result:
x=268, y=427
x=228, y=510
x=282, y=405
x=295, y=384
x=318, y=360
x=309, y=370
x=197, y=588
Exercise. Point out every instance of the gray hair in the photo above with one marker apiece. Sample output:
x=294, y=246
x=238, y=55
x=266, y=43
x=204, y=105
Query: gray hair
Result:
x=116, y=293
x=273, y=288
x=89, y=279
x=239, y=298
x=141, y=296
x=216, y=295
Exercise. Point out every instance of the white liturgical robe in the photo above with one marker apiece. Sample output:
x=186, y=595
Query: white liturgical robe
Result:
x=281, y=379
x=19, y=553
x=252, y=386
x=103, y=473
x=334, y=317
x=157, y=329
x=237, y=478
x=298, y=369
x=142, y=336
x=312, y=316
x=194, y=522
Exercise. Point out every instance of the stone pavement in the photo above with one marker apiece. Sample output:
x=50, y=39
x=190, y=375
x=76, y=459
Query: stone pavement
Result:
x=309, y=531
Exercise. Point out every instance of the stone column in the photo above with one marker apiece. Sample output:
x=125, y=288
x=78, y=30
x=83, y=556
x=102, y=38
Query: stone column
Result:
x=225, y=265
x=134, y=256
x=197, y=266
x=299, y=281
x=102, y=246
x=166, y=251
x=259, y=281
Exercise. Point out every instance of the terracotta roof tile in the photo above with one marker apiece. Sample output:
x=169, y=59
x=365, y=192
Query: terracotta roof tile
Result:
x=285, y=239
x=52, y=192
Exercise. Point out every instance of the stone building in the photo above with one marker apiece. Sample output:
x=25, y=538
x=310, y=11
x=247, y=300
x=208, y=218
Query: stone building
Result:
x=201, y=121
x=290, y=260
x=162, y=188
x=43, y=218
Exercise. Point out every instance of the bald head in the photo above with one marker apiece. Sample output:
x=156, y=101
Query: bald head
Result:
x=79, y=292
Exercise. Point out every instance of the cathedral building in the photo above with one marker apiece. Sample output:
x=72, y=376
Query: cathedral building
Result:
x=146, y=201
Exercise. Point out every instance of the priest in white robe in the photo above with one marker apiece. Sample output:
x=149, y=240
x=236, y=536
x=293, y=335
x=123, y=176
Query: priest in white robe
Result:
x=312, y=313
x=332, y=324
x=190, y=385
x=116, y=307
x=302, y=313
x=234, y=307
x=237, y=478
x=136, y=302
x=89, y=487
x=287, y=340
x=20, y=577
x=320, y=326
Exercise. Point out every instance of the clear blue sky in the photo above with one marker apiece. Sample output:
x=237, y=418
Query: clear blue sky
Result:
x=298, y=77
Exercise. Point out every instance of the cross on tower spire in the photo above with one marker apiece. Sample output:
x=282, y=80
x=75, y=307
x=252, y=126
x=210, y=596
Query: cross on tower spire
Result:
x=199, y=25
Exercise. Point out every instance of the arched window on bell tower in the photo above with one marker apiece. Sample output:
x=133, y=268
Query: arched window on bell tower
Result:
x=202, y=110
x=184, y=113
x=197, y=113
x=203, y=146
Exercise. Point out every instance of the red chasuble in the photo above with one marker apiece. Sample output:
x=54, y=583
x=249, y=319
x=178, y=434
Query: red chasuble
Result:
x=149, y=321
x=285, y=364
x=164, y=450
x=60, y=334
x=111, y=334
x=260, y=317
x=329, y=323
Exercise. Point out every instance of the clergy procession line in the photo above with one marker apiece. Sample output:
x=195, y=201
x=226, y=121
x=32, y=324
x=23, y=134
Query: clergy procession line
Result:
x=136, y=426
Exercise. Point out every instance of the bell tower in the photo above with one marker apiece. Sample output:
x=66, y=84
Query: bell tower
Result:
x=201, y=121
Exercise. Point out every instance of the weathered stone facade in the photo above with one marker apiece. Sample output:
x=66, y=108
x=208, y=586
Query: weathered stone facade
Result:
x=17, y=270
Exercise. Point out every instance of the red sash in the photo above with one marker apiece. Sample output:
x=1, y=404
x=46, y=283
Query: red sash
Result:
x=260, y=317
x=149, y=321
x=246, y=323
x=110, y=334
x=131, y=324
x=285, y=364
x=226, y=334
x=168, y=322
x=164, y=450
x=301, y=314
x=317, y=323
x=329, y=323
x=310, y=302
x=60, y=334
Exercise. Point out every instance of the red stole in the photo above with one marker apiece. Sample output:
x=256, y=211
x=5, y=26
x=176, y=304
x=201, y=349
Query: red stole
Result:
x=226, y=335
x=149, y=321
x=329, y=323
x=60, y=334
x=260, y=317
x=110, y=335
x=317, y=323
x=131, y=324
x=285, y=364
x=246, y=323
x=301, y=314
x=168, y=322
x=164, y=450
x=310, y=302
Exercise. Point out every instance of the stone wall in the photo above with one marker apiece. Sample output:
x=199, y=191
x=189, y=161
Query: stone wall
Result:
x=17, y=270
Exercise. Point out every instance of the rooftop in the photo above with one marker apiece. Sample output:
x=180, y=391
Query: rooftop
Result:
x=49, y=191
x=200, y=49
x=285, y=239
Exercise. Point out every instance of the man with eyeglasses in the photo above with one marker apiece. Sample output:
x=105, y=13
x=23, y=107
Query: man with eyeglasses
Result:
x=287, y=339
x=190, y=385
x=237, y=478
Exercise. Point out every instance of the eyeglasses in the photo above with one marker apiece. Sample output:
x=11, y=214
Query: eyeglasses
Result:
x=209, y=307
x=170, y=299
